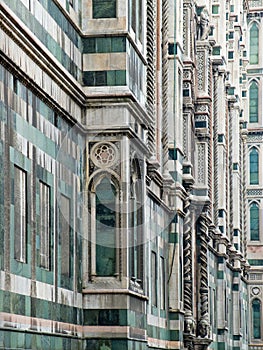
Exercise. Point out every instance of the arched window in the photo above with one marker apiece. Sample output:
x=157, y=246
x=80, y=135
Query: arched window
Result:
x=254, y=222
x=254, y=41
x=253, y=103
x=105, y=228
x=136, y=220
x=256, y=318
x=253, y=166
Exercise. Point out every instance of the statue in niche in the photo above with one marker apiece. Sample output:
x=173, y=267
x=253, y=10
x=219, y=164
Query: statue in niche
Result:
x=203, y=26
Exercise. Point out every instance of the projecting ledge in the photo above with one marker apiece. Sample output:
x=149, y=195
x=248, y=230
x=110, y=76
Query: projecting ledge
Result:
x=114, y=291
x=202, y=343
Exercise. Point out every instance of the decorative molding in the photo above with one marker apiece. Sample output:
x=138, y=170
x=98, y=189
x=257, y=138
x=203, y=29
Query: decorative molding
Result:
x=255, y=192
x=255, y=276
x=201, y=163
x=202, y=108
x=201, y=117
x=200, y=70
x=255, y=3
x=254, y=137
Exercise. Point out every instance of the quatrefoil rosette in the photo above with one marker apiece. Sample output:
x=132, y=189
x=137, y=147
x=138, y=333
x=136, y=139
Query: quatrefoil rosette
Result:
x=104, y=154
x=255, y=291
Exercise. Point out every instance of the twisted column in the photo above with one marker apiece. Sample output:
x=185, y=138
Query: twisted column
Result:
x=165, y=83
x=188, y=288
x=151, y=58
x=215, y=163
x=230, y=145
x=189, y=323
x=203, y=325
x=245, y=196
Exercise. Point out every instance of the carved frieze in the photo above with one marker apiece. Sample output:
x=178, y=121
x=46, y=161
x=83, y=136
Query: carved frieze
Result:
x=201, y=163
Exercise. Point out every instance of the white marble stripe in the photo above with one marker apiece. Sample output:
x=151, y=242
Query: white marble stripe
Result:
x=18, y=56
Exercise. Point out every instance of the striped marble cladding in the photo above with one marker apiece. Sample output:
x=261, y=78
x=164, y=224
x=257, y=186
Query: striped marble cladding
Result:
x=46, y=147
x=227, y=294
x=113, y=61
x=232, y=297
x=158, y=332
x=12, y=339
x=18, y=304
x=25, y=108
x=36, y=73
x=51, y=27
x=113, y=64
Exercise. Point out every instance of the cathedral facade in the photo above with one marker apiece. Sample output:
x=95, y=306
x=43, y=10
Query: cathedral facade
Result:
x=131, y=186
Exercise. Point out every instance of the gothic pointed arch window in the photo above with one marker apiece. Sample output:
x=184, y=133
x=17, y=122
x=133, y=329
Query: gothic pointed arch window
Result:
x=254, y=222
x=256, y=319
x=103, y=226
x=253, y=166
x=136, y=221
x=253, y=102
x=254, y=43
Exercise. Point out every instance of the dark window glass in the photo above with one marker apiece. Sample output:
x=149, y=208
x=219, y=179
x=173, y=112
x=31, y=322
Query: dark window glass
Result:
x=254, y=44
x=89, y=78
x=136, y=8
x=105, y=228
x=256, y=311
x=253, y=164
x=231, y=54
x=101, y=78
x=133, y=17
x=254, y=222
x=253, y=103
x=136, y=246
x=104, y=8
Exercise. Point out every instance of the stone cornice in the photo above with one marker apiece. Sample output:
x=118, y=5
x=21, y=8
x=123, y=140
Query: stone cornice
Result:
x=18, y=32
x=34, y=49
x=38, y=91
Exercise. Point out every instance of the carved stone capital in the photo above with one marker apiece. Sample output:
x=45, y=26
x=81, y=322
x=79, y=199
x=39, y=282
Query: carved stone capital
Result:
x=202, y=343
